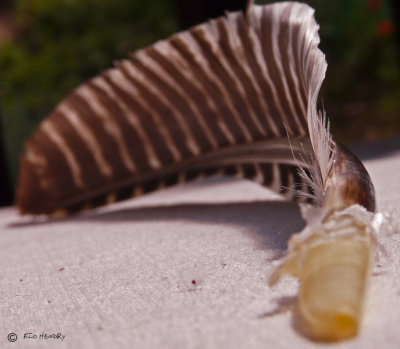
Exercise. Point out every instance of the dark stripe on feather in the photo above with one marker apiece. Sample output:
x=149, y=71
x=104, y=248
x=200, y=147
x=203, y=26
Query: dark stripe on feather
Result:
x=108, y=145
x=258, y=74
x=230, y=87
x=214, y=93
x=267, y=47
x=181, y=104
x=165, y=115
x=130, y=136
x=90, y=174
x=194, y=93
x=283, y=41
x=148, y=123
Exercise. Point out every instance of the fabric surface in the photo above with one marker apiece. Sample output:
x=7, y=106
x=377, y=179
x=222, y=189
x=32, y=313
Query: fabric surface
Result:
x=183, y=268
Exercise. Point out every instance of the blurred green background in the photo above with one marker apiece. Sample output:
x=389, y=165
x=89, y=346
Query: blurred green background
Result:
x=48, y=47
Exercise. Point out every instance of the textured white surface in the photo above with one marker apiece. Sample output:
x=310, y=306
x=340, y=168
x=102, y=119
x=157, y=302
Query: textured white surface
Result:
x=122, y=277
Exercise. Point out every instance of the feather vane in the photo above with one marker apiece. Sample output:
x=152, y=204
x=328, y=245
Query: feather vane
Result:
x=220, y=98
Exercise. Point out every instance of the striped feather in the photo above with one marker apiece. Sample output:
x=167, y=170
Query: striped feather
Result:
x=234, y=96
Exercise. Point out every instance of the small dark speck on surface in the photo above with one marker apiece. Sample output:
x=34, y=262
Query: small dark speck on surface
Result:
x=21, y=280
x=49, y=301
x=193, y=282
x=61, y=269
x=223, y=265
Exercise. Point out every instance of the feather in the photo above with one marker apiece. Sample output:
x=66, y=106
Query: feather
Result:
x=224, y=97
x=234, y=96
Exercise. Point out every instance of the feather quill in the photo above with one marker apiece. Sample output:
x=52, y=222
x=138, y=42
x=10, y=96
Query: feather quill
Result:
x=234, y=96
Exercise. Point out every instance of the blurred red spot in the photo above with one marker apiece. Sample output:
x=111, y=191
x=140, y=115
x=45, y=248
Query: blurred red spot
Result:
x=385, y=28
x=193, y=282
x=374, y=5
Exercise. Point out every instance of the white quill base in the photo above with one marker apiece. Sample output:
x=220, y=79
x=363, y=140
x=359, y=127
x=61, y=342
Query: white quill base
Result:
x=332, y=257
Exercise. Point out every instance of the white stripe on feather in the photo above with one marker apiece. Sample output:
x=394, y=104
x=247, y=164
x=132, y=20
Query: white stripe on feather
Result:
x=232, y=19
x=180, y=63
x=256, y=13
x=163, y=74
x=88, y=137
x=119, y=78
x=277, y=58
x=110, y=126
x=49, y=129
x=190, y=140
x=236, y=48
x=294, y=15
x=132, y=119
x=202, y=61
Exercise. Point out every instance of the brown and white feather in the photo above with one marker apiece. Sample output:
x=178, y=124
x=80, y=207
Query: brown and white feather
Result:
x=219, y=99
